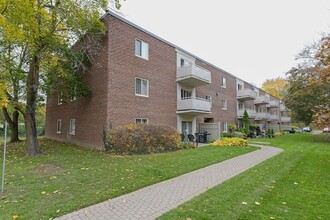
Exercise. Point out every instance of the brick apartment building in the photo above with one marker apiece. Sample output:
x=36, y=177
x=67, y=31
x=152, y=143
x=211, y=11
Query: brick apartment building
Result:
x=142, y=78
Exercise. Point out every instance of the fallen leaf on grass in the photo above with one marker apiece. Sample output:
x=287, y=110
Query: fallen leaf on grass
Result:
x=244, y=203
x=16, y=217
x=257, y=203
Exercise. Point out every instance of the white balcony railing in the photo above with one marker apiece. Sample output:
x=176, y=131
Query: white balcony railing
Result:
x=261, y=100
x=285, y=119
x=273, y=104
x=193, y=105
x=246, y=94
x=261, y=115
x=193, y=75
x=251, y=113
x=274, y=117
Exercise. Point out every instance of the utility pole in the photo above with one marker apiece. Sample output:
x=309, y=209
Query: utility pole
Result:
x=4, y=159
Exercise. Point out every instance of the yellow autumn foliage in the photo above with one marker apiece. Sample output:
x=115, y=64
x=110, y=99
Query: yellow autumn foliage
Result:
x=237, y=142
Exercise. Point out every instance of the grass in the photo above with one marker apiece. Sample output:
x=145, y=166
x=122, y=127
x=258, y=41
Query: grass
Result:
x=292, y=185
x=66, y=177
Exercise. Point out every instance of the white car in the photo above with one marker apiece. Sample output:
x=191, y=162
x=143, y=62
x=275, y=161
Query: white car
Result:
x=306, y=129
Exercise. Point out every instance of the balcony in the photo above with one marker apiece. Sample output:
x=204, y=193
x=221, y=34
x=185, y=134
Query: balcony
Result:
x=246, y=94
x=261, y=100
x=283, y=108
x=193, y=105
x=193, y=76
x=261, y=116
x=274, y=117
x=251, y=113
x=285, y=119
x=273, y=104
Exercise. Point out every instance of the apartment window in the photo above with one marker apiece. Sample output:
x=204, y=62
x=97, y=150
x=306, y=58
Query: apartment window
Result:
x=209, y=98
x=225, y=127
x=141, y=87
x=224, y=104
x=185, y=94
x=142, y=49
x=223, y=82
x=184, y=62
x=60, y=98
x=58, y=126
x=240, y=106
x=74, y=94
x=141, y=121
x=239, y=87
x=72, y=127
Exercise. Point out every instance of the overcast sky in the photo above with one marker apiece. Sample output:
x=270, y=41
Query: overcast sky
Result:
x=252, y=39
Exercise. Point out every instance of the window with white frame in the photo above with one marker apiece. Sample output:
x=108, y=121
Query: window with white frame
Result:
x=141, y=121
x=142, y=49
x=225, y=127
x=240, y=106
x=58, y=126
x=73, y=93
x=72, y=127
x=141, y=87
x=224, y=104
x=60, y=98
x=239, y=87
x=184, y=63
x=223, y=82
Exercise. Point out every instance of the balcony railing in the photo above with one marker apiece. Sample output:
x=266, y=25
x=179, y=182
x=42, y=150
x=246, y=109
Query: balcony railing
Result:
x=193, y=75
x=283, y=108
x=261, y=100
x=246, y=94
x=273, y=104
x=251, y=113
x=262, y=116
x=274, y=117
x=193, y=105
x=285, y=119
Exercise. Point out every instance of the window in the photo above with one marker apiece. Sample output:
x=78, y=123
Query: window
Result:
x=185, y=94
x=58, y=126
x=224, y=104
x=141, y=121
x=72, y=128
x=239, y=87
x=223, y=82
x=141, y=87
x=225, y=127
x=74, y=94
x=60, y=98
x=184, y=62
x=142, y=49
x=240, y=106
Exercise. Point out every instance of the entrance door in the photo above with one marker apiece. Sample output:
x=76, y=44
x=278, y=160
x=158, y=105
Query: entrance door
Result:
x=186, y=128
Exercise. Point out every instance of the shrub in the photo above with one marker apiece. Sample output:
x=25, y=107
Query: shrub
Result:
x=279, y=133
x=143, y=138
x=227, y=135
x=239, y=134
x=239, y=142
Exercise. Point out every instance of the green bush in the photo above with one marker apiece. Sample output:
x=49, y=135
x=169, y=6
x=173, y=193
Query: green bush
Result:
x=238, y=142
x=239, y=134
x=143, y=138
x=228, y=135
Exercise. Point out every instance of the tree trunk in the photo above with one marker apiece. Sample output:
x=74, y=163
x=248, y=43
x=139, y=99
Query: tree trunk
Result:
x=32, y=84
x=13, y=124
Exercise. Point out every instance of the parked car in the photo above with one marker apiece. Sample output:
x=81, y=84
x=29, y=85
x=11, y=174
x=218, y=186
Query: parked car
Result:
x=306, y=129
x=326, y=130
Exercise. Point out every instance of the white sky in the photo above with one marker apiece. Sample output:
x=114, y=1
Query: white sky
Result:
x=252, y=39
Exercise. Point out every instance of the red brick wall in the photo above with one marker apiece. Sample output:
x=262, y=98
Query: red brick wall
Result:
x=124, y=66
x=89, y=112
x=228, y=93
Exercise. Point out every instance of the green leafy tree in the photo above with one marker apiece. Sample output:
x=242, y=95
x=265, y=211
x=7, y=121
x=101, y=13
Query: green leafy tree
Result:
x=309, y=85
x=276, y=87
x=47, y=30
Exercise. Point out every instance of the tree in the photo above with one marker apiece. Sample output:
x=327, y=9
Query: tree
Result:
x=47, y=29
x=276, y=87
x=246, y=123
x=309, y=85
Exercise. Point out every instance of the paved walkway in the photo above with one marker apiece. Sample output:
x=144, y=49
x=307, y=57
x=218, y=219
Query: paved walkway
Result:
x=153, y=201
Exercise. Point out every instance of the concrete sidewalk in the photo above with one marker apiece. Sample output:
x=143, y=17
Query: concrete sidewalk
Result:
x=153, y=201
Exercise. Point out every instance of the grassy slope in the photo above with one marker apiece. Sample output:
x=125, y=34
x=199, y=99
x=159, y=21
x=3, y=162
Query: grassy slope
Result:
x=292, y=185
x=66, y=178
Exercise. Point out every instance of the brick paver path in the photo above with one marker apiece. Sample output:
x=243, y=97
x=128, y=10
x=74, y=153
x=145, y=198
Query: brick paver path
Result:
x=152, y=201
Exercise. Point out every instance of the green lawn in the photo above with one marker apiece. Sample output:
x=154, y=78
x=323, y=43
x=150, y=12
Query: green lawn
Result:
x=66, y=177
x=292, y=185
